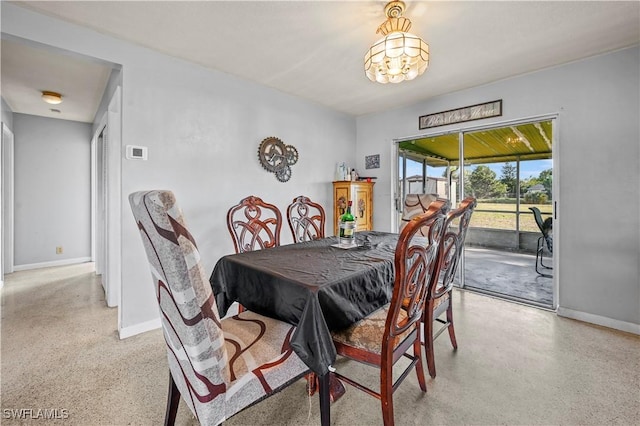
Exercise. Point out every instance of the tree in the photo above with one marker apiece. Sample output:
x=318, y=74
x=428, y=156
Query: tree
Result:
x=509, y=178
x=546, y=179
x=483, y=183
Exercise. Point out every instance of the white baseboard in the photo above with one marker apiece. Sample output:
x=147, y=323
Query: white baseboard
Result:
x=154, y=324
x=50, y=264
x=629, y=327
x=140, y=328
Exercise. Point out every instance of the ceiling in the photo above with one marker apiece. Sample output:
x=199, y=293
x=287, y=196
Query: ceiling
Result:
x=315, y=49
x=528, y=141
x=27, y=70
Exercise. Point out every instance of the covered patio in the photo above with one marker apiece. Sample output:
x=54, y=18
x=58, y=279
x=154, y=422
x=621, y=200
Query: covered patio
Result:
x=501, y=243
x=507, y=275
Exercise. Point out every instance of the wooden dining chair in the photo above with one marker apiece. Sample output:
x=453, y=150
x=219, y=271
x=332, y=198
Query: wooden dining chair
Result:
x=386, y=335
x=306, y=219
x=254, y=224
x=219, y=367
x=441, y=286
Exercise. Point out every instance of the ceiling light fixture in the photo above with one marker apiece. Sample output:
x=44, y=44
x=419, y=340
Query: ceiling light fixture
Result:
x=399, y=55
x=51, y=97
x=513, y=140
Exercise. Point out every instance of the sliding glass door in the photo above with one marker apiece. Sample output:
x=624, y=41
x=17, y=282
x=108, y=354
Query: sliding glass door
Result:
x=509, y=170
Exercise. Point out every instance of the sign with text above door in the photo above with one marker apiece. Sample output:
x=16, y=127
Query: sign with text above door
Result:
x=460, y=115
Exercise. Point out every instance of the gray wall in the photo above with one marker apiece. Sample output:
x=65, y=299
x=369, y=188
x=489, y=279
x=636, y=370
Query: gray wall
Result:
x=202, y=129
x=52, y=189
x=598, y=172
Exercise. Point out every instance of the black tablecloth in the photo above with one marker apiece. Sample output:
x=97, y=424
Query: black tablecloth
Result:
x=311, y=285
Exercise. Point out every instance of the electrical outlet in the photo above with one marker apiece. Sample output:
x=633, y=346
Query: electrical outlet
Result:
x=59, y=250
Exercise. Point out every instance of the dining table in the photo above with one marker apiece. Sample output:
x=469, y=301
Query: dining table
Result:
x=319, y=286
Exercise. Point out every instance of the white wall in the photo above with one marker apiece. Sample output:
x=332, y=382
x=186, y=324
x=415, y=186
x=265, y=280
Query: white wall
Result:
x=598, y=155
x=115, y=80
x=7, y=114
x=52, y=190
x=202, y=129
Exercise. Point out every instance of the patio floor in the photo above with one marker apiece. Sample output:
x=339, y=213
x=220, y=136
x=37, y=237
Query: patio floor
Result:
x=508, y=274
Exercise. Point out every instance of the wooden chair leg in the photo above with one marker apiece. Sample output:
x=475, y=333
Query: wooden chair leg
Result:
x=312, y=383
x=417, y=352
x=386, y=392
x=452, y=332
x=428, y=344
x=173, y=399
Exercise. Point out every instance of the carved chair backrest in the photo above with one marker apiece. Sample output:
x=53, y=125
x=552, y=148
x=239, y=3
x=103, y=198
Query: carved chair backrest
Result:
x=254, y=224
x=306, y=219
x=416, y=261
x=455, y=234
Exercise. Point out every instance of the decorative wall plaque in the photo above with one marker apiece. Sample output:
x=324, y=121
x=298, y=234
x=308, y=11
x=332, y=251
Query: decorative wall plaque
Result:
x=460, y=115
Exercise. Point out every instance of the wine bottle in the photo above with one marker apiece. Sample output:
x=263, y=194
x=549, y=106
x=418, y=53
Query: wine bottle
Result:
x=347, y=226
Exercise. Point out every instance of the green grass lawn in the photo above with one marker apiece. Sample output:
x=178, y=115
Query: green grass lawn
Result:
x=500, y=220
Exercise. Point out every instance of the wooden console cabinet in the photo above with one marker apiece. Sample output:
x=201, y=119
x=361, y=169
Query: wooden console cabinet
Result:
x=361, y=195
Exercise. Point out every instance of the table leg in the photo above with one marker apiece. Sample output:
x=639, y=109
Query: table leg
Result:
x=325, y=409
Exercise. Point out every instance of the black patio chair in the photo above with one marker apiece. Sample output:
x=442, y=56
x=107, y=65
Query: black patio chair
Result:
x=546, y=228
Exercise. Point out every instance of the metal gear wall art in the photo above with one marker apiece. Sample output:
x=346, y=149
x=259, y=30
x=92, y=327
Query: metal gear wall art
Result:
x=276, y=157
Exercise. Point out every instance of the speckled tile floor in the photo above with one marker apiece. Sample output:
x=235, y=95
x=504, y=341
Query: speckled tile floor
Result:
x=515, y=365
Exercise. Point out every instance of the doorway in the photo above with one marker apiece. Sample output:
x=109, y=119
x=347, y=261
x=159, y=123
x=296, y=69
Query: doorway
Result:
x=6, y=211
x=508, y=168
x=105, y=176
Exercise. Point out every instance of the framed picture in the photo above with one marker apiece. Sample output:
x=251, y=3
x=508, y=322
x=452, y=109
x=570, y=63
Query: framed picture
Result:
x=372, y=161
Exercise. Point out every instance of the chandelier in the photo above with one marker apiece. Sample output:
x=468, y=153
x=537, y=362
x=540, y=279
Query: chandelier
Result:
x=513, y=140
x=399, y=55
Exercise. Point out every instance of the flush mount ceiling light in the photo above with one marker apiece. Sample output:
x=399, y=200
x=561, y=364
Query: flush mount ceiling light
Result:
x=51, y=97
x=399, y=55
